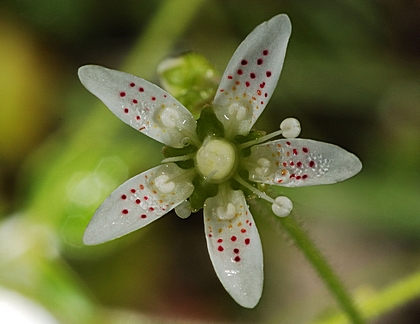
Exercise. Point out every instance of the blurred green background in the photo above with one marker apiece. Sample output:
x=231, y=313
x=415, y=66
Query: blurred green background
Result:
x=351, y=76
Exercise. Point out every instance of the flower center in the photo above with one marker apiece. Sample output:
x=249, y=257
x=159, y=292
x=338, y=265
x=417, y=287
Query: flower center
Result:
x=216, y=160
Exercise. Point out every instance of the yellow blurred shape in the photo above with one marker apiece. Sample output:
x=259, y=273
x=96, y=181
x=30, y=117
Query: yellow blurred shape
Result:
x=24, y=91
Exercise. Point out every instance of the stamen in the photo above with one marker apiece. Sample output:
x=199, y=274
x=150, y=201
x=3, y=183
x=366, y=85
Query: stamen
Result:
x=185, y=157
x=163, y=185
x=237, y=110
x=169, y=117
x=226, y=213
x=289, y=128
x=183, y=210
x=282, y=206
x=166, y=185
x=263, y=167
x=259, y=193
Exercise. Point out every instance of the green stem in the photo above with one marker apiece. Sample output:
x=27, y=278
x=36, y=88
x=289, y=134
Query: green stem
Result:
x=314, y=256
x=322, y=267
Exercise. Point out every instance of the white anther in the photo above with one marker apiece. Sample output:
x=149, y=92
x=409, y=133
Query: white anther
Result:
x=183, y=210
x=263, y=167
x=169, y=117
x=237, y=110
x=290, y=128
x=163, y=185
x=226, y=213
x=282, y=206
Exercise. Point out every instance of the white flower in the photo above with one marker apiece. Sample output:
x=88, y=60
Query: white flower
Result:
x=214, y=156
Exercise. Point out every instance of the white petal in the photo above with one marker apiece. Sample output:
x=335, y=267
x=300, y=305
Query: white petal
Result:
x=234, y=247
x=140, y=104
x=252, y=74
x=301, y=162
x=138, y=202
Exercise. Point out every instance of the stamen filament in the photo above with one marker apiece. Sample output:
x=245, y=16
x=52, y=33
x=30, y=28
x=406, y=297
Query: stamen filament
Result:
x=260, y=140
x=178, y=158
x=259, y=193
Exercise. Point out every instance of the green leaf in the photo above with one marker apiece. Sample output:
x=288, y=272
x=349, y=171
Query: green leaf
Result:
x=209, y=125
x=202, y=191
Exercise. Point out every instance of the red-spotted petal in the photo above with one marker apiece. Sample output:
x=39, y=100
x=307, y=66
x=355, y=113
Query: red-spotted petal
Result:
x=300, y=162
x=140, y=104
x=251, y=76
x=234, y=246
x=138, y=202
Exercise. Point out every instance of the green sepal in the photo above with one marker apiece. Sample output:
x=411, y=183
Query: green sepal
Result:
x=201, y=192
x=252, y=136
x=208, y=124
x=191, y=79
x=168, y=152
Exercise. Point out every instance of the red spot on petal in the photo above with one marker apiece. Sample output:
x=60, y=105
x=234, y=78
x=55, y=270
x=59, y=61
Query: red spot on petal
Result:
x=141, y=187
x=237, y=258
x=305, y=150
x=137, y=201
x=262, y=85
x=138, y=117
x=265, y=52
x=219, y=240
x=133, y=190
x=141, y=89
x=311, y=164
x=292, y=163
x=151, y=209
x=210, y=235
x=252, y=75
x=126, y=110
x=295, y=152
x=244, y=62
x=247, y=241
x=298, y=177
x=132, y=84
x=236, y=251
x=292, y=175
x=122, y=94
x=125, y=211
x=284, y=164
x=268, y=74
x=260, y=61
x=123, y=197
x=135, y=101
x=230, y=77
x=146, y=198
x=299, y=164
x=243, y=230
x=143, y=215
x=266, y=94
x=288, y=143
x=240, y=72
x=153, y=98
x=304, y=176
x=220, y=248
x=164, y=96
x=233, y=238
x=247, y=84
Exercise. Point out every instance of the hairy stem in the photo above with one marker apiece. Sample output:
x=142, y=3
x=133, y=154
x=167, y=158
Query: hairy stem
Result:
x=315, y=258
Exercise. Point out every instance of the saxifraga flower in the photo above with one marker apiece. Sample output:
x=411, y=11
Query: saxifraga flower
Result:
x=211, y=162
